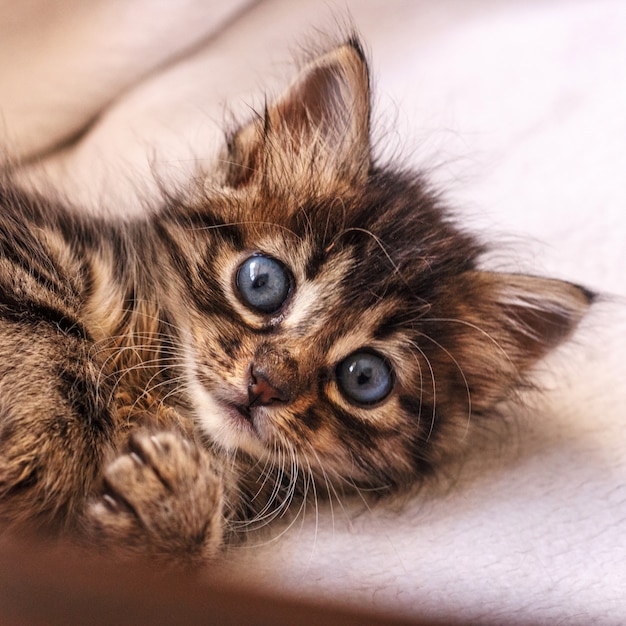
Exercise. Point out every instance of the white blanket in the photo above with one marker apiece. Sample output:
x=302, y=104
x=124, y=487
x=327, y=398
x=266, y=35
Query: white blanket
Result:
x=519, y=111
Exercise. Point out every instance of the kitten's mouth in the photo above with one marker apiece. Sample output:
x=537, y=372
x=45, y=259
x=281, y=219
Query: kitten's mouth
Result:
x=237, y=424
x=241, y=416
x=244, y=411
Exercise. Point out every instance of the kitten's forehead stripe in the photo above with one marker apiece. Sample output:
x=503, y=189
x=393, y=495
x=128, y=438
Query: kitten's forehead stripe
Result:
x=203, y=219
x=177, y=252
x=396, y=321
x=314, y=264
x=209, y=298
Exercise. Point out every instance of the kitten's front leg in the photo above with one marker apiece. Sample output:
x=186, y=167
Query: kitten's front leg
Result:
x=163, y=499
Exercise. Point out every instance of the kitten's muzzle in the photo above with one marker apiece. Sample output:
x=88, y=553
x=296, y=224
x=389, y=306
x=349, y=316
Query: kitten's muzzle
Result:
x=272, y=377
x=262, y=391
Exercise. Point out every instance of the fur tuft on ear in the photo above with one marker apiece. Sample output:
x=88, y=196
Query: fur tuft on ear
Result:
x=316, y=135
x=537, y=313
x=509, y=323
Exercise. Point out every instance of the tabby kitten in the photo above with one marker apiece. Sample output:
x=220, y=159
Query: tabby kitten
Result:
x=310, y=316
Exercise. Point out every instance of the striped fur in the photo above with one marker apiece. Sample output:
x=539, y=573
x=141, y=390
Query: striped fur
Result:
x=126, y=351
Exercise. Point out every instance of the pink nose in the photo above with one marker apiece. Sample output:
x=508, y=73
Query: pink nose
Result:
x=261, y=391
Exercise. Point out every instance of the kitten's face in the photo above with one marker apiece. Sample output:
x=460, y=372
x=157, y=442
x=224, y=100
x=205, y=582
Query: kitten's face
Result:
x=336, y=318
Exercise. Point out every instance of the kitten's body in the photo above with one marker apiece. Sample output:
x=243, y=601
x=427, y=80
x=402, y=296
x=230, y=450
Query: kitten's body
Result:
x=148, y=400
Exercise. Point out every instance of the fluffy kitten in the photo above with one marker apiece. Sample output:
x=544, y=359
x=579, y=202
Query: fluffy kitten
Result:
x=313, y=317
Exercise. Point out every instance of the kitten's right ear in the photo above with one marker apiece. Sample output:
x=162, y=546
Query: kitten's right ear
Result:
x=316, y=135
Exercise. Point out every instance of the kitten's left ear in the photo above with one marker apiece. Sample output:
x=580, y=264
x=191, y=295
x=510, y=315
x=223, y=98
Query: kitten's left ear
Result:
x=518, y=319
x=316, y=135
x=535, y=314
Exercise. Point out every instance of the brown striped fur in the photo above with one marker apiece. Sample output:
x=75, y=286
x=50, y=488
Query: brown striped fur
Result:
x=126, y=349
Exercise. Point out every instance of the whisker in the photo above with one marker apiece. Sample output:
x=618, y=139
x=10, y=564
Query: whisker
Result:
x=246, y=223
x=460, y=369
x=434, y=386
x=378, y=241
x=477, y=328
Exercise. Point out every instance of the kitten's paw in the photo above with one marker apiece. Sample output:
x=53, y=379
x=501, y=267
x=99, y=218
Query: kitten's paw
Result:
x=162, y=499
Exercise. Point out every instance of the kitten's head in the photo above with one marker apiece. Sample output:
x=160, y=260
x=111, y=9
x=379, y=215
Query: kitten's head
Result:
x=336, y=315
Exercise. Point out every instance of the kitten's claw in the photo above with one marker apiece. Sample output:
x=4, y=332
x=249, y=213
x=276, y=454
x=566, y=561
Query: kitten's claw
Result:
x=136, y=458
x=162, y=499
x=110, y=502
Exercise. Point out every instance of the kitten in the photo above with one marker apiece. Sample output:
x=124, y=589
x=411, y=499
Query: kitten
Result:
x=312, y=316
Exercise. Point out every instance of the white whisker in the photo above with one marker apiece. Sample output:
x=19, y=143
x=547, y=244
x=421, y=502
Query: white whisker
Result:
x=465, y=382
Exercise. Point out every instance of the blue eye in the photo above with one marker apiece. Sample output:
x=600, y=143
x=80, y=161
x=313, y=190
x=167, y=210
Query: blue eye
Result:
x=263, y=283
x=364, y=377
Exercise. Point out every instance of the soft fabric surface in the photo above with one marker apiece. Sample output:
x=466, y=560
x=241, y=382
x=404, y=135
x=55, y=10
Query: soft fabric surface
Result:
x=518, y=109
